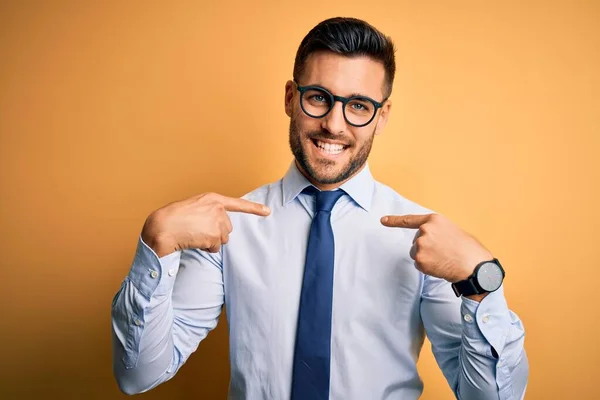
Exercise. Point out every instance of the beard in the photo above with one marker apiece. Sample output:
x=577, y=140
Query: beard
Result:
x=324, y=171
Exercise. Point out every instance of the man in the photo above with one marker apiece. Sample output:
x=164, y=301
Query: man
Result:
x=331, y=279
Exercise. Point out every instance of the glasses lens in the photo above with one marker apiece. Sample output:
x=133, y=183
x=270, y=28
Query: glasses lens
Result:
x=316, y=102
x=359, y=111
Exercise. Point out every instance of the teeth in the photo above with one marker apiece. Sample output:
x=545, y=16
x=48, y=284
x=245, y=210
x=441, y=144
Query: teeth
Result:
x=330, y=148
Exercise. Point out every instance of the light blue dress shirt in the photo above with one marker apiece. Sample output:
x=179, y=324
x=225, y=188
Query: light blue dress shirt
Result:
x=382, y=306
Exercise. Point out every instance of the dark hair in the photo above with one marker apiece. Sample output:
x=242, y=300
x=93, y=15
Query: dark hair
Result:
x=349, y=37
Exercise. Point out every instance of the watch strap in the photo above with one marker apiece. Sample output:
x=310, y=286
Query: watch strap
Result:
x=466, y=287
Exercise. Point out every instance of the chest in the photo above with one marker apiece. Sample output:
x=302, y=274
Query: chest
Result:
x=374, y=276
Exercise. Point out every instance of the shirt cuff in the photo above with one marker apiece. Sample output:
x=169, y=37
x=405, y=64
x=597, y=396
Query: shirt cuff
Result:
x=489, y=318
x=152, y=275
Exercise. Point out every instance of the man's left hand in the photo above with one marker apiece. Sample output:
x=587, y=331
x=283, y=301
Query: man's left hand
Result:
x=440, y=248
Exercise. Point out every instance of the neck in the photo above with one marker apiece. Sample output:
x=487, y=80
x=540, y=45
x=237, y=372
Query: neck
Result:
x=328, y=186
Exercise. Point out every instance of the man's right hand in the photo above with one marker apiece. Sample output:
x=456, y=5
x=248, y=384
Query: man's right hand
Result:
x=200, y=222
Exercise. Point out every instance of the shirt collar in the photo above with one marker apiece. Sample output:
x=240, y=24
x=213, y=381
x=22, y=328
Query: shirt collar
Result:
x=360, y=187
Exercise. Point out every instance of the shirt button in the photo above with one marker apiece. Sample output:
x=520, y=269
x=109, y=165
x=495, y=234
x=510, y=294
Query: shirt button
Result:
x=154, y=274
x=468, y=318
x=485, y=319
x=172, y=272
x=138, y=322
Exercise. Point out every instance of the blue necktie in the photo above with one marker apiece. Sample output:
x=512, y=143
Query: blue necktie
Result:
x=310, y=377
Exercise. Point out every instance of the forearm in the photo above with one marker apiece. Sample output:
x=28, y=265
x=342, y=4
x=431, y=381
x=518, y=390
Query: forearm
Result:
x=142, y=342
x=142, y=323
x=164, y=309
x=492, y=359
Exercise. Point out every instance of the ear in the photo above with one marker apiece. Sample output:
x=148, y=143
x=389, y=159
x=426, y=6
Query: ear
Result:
x=290, y=88
x=383, y=117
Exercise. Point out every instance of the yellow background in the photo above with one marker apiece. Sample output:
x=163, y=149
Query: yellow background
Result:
x=109, y=110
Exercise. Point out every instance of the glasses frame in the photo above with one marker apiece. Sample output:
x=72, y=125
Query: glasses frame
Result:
x=344, y=100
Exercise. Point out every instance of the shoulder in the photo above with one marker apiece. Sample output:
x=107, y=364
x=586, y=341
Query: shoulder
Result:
x=393, y=202
x=267, y=193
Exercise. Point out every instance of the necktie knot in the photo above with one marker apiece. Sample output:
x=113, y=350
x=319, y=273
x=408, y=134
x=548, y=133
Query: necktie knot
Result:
x=325, y=200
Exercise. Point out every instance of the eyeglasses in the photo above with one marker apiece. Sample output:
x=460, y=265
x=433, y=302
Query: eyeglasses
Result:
x=317, y=102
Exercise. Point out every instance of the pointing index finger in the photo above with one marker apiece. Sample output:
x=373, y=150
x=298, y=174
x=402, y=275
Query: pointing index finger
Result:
x=405, y=221
x=245, y=206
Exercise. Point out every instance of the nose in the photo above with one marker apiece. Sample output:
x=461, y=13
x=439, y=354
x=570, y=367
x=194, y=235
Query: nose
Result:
x=334, y=121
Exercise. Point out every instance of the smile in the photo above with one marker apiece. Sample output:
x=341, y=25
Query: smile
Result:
x=331, y=149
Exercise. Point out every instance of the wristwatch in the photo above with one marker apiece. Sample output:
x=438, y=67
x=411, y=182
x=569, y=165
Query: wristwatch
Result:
x=487, y=277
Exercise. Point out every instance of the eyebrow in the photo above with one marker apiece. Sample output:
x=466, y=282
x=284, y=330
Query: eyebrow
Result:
x=355, y=94
x=359, y=95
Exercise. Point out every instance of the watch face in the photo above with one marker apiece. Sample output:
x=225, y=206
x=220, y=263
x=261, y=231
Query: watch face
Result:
x=489, y=277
